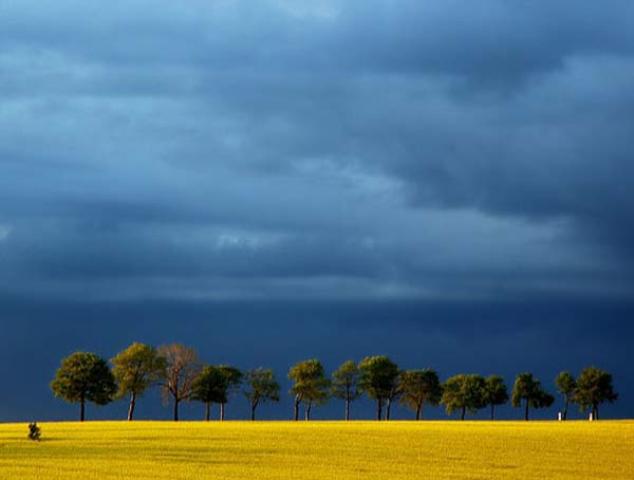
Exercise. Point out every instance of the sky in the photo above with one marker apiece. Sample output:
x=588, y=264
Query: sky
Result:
x=447, y=182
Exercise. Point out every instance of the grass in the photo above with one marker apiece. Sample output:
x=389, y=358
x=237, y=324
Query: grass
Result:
x=320, y=450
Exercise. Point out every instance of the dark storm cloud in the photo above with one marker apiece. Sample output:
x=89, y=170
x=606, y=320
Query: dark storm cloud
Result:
x=417, y=149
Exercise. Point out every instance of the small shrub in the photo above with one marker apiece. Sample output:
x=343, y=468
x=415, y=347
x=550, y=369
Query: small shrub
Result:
x=34, y=432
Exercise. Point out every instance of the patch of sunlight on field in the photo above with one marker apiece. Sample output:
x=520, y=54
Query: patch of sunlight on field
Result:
x=320, y=450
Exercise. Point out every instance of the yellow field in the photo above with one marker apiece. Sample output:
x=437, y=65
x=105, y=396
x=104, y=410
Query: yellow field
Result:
x=320, y=450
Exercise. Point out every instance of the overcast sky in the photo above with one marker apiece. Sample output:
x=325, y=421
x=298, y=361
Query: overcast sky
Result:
x=315, y=154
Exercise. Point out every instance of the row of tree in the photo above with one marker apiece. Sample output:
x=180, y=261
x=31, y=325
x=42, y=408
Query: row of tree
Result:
x=85, y=377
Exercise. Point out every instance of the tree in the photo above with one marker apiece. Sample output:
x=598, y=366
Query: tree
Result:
x=496, y=392
x=345, y=384
x=135, y=369
x=310, y=385
x=214, y=384
x=181, y=369
x=84, y=377
x=208, y=387
x=260, y=386
x=419, y=387
x=378, y=379
x=594, y=387
x=566, y=385
x=232, y=380
x=466, y=393
x=529, y=390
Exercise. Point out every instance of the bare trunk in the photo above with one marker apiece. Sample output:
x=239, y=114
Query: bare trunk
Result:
x=207, y=410
x=526, y=410
x=298, y=399
x=347, y=409
x=418, y=409
x=595, y=412
x=222, y=412
x=253, y=407
x=176, y=402
x=308, y=409
x=131, y=407
x=463, y=413
x=379, y=408
x=492, y=412
x=388, y=410
x=564, y=415
x=82, y=409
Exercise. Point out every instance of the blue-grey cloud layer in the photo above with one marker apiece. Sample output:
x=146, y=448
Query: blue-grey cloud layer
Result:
x=228, y=149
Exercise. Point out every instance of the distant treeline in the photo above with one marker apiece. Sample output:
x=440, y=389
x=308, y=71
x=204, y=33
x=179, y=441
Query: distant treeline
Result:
x=85, y=377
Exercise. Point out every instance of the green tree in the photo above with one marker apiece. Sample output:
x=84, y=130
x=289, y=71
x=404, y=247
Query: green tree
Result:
x=84, y=377
x=566, y=385
x=208, y=387
x=181, y=369
x=496, y=392
x=214, y=385
x=594, y=387
x=260, y=386
x=310, y=385
x=466, y=393
x=232, y=380
x=378, y=379
x=345, y=384
x=529, y=390
x=419, y=387
x=135, y=369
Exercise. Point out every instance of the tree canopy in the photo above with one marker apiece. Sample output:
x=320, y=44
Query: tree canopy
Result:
x=529, y=390
x=261, y=386
x=379, y=379
x=232, y=380
x=566, y=385
x=464, y=393
x=135, y=369
x=84, y=377
x=496, y=392
x=181, y=369
x=420, y=387
x=208, y=387
x=345, y=384
x=310, y=385
x=594, y=387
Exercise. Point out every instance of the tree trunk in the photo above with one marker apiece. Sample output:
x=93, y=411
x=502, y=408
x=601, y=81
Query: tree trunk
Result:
x=308, y=409
x=492, y=412
x=526, y=410
x=595, y=412
x=564, y=415
x=418, y=409
x=207, y=410
x=388, y=409
x=298, y=399
x=379, y=408
x=463, y=413
x=347, y=409
x=222, y=412
x=253, y=407
x=82, y=409
x=176, y=401
x=131, y=407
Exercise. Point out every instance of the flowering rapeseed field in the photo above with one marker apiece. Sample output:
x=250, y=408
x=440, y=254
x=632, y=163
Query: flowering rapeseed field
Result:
x=319, y=450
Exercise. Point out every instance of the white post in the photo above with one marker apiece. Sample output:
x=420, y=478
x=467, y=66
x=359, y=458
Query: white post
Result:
x=560, y=417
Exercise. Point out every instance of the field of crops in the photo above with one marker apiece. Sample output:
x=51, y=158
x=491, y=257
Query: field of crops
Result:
x=319, y=450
